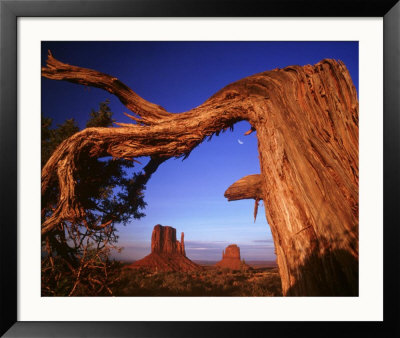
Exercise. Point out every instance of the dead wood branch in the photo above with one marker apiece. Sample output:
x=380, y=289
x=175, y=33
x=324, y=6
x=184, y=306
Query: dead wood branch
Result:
x=248, y=187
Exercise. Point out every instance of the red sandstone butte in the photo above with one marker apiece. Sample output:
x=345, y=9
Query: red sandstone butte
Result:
x=231, y=258
x=167, y=254
x=163, y=241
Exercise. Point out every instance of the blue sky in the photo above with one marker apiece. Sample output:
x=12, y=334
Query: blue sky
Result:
x=188, y=195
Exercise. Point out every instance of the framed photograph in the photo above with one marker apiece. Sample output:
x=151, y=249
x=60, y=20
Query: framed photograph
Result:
x=206, y=168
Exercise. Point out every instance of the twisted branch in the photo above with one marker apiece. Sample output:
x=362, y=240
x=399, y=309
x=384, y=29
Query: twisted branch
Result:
x=160, y=134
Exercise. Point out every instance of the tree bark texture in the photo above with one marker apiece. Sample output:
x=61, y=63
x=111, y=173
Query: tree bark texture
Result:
x=248, y=187
x=306, y=119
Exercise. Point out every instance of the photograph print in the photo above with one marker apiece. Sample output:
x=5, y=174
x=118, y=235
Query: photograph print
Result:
x=199, y=169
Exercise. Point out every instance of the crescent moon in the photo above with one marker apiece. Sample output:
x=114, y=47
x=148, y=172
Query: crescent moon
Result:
x=240, y=142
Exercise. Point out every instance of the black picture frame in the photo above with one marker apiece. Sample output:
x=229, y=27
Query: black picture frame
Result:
x=9, y=13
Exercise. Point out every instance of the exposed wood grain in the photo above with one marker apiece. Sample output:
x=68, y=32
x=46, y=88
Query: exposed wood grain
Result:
x=248, y=187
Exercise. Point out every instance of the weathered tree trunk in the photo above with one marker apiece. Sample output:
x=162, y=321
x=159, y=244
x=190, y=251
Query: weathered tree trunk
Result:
x=306, y=120
x=307, y=132
x=308, y=147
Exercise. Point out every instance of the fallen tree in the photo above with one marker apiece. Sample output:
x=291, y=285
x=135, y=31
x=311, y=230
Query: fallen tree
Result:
x=306, y=119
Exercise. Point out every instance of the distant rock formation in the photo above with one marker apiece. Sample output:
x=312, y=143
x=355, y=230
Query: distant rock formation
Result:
x=231, y=258
x=163, y=241
x=167, y=254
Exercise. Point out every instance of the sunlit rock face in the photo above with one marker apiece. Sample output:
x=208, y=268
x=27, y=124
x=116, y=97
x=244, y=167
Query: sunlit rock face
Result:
x=163, y=241
x=231, y=258
x=167, y=253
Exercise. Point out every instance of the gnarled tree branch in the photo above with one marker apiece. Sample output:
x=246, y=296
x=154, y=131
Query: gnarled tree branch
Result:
x=57, y=70
x=162, y=135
